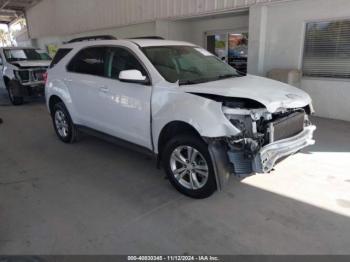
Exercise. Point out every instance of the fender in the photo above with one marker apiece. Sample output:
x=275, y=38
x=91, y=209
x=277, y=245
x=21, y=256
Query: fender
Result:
x=8, y=71
x=204, y=115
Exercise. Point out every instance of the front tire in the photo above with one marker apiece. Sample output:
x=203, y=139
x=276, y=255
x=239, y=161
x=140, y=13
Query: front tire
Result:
x=13, y=90
x=63, y=124
x=189, y=167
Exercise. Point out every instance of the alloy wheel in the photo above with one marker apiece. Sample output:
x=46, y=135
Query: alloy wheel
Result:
x=189, y=167
x=61, y=123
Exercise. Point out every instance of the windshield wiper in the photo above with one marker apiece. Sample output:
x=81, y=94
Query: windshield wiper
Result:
x=189, y=82
x=227, y=76
x=204, y=80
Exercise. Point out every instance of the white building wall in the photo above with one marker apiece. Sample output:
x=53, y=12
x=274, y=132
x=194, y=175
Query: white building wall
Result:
x=190, y=30
x=173, y=30
x=277, y=39
x=144, y=29
x=66, y=17
x=194, y=30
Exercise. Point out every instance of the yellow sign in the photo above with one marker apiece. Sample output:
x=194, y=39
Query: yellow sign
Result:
x=52, y=49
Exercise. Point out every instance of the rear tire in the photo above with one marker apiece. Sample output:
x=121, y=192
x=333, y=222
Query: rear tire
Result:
x=63, y=124
x=189, y=167
x=13, y=88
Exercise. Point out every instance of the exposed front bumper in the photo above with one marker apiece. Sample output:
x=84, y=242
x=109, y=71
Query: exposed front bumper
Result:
x=32, y=89
x=266, y=159
x=33, y=83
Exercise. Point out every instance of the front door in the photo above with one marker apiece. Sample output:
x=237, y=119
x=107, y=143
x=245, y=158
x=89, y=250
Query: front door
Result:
x=126, y=106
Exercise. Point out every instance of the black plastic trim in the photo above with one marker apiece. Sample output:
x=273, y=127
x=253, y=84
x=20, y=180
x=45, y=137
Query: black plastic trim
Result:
x=117, y=141
x=92, y=38
x=221, y=163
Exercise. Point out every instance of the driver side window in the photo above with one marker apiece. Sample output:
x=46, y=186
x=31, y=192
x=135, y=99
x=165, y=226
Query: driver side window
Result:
x=121, y=59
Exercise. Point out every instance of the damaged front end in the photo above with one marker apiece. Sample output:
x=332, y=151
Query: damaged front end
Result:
x=265, y=138
x=31, y=76
x=31, y=81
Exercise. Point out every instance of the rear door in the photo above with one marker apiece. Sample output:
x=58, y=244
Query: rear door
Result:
x=85, y=79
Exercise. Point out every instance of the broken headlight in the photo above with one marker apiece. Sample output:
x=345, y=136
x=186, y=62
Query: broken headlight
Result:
x=22, y=75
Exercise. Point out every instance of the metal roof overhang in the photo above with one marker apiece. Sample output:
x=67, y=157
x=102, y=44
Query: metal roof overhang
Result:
x=10, y=10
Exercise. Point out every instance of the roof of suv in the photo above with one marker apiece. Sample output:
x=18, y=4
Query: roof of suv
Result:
x=139, y=42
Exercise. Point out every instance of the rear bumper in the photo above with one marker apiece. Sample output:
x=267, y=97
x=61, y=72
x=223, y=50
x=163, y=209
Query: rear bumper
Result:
x=269, y=155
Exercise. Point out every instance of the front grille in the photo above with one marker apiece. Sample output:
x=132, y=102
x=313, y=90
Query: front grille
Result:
x=31, y=75
x=287, y=127
x=24, y=76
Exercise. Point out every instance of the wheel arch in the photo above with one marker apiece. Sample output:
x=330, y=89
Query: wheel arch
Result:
x=217, y=151
x=53, y=100
x=174, y=128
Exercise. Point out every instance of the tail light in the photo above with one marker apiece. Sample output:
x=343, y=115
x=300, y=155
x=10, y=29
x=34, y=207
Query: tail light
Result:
x=45, y=77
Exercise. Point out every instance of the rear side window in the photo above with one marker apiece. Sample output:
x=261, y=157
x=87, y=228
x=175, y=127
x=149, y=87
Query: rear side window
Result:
x=89, y=61
x=61, y=53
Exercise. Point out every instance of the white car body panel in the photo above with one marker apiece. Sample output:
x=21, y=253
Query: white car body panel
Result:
x=82, y=90
x=272, y=94
x=171, y=104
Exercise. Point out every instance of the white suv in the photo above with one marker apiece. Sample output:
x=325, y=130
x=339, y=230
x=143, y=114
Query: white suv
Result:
x=199, y=116
x=22, y=72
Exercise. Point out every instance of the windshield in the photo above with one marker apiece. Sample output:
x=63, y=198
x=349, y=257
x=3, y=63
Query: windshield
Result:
x=188, y=65
x=13, y=55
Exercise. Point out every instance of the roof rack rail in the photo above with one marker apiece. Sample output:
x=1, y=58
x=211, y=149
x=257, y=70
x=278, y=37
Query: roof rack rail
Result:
x=148, y=37
x=92, y=38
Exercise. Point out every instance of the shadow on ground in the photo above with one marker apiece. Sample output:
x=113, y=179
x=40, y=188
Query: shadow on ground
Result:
x=331, y=136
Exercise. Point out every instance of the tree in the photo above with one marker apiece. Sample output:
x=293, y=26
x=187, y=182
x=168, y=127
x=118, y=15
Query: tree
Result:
x=4, y=37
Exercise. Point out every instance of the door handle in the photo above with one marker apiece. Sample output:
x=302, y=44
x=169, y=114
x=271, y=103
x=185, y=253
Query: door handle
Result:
x=68, y=80
x=103, y=89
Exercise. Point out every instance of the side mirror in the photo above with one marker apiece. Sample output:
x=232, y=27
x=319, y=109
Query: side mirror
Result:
x=133, y=76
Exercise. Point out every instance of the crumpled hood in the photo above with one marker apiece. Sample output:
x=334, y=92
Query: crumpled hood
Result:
x=273, y=94
x=32, y=63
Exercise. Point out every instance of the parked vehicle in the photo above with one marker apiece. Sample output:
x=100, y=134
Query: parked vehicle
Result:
x=22, y=72
x=202, y=119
